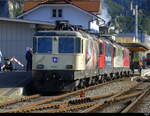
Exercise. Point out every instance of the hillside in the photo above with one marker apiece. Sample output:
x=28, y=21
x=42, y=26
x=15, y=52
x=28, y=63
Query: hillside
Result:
x=122, y=16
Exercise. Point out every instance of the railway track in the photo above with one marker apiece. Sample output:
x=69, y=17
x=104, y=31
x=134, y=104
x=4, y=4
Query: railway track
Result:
x=49, y=99
x=137, y=101
x=129, y=104
x=92, y=106
x=77, y=104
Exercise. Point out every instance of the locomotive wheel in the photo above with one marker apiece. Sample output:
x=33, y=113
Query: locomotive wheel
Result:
x=121, y=75
x=103, y=79
x=125, y=74
x=106, y=77
x=84, y=83
x=100, y=79
x=96, y=80
x=90, y=81
x=87, y=82
x=93, y=81
x=81, y=84
x=129, y=74
x=117, y=75
x=111, y=76
x=76, y=88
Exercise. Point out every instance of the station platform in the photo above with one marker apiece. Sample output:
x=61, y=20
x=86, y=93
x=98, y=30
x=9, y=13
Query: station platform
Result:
x=14, y=79
x=13, y=83
x=145, y=75
x=145, y=72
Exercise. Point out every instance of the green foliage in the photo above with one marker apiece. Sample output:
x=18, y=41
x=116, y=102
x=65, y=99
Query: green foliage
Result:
x=17, y=12
x=113, y=8
x=17, y=6
x=126, y=23
x=146, y=24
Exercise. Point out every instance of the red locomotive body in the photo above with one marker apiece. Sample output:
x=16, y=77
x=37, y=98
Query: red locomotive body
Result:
x=126, y=58
x=101, y=54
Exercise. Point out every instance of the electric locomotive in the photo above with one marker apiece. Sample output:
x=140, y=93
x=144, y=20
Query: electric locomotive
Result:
x=68, y=59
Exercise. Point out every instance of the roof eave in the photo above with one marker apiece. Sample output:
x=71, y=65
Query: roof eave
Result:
x=26, y=21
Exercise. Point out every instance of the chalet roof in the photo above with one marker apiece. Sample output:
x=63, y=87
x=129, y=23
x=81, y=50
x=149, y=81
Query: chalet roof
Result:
x=92, y=6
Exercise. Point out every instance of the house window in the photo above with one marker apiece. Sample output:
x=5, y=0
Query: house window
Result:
x=54, y=13
x=57, y=13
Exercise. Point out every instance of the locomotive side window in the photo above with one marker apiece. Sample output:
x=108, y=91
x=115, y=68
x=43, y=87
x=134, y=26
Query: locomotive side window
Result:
x=34, y=44
x=100, y=49
x=124, y=54
x=44, y=45
x=78, y=48
x=114, y=51
x=82, y=46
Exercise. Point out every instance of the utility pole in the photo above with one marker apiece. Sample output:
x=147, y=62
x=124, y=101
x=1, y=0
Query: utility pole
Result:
x=136, y=22
x=135, y=13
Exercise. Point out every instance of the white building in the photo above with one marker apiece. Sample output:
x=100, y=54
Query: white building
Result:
x=15, y=36
x=85, y=13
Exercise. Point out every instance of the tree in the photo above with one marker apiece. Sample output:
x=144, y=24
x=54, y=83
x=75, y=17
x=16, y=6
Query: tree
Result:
x=17, y=6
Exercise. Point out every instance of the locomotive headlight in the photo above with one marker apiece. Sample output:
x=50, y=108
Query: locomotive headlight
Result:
x=69, y=66
x=40, y=66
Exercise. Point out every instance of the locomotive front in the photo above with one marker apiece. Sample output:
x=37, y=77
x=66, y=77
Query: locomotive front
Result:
x=57, y=58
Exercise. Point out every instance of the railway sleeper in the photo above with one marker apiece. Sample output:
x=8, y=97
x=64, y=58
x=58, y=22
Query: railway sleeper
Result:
x=80, y=101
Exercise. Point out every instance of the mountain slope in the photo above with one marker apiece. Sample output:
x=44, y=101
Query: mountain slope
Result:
x=122, y=16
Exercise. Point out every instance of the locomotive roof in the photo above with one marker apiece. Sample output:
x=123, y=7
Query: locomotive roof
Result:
x=57, y=33
x=65, y=33
x=78, y=34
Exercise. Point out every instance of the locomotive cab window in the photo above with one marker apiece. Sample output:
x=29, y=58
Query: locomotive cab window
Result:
x=70, y=45
x=44, y=45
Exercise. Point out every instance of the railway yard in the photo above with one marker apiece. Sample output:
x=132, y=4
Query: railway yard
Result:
x=75, y=56
x=115, y=96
